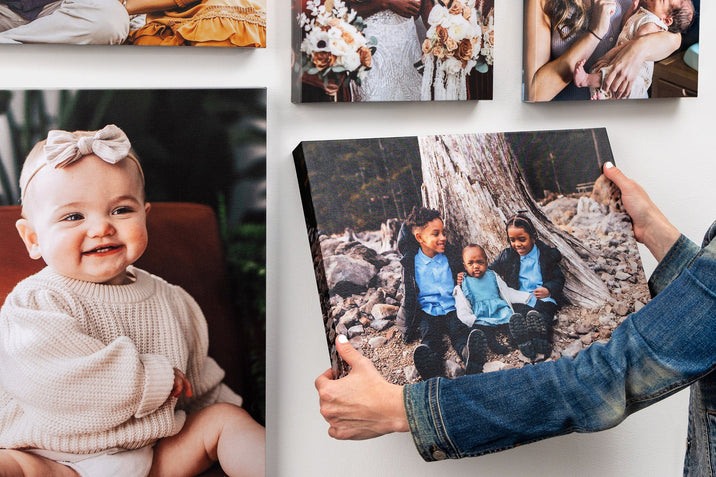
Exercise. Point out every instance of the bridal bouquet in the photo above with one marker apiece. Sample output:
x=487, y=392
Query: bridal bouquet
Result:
x=452, y=48
x=333, y=41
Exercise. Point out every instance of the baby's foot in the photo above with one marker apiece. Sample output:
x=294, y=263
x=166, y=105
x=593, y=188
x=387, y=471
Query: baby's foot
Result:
x=581, y=78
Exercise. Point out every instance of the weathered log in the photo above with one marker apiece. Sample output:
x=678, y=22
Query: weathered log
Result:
x=475, y=183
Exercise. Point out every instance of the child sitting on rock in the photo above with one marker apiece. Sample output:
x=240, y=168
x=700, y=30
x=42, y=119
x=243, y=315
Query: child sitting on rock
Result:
x=430, y=266
x=483, y=300
x=104, y=366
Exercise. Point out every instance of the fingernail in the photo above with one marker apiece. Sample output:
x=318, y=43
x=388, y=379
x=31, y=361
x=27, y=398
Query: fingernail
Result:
x=608, y=165
x=342, y=339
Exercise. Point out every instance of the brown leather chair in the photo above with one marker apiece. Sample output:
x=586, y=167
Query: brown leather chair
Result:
x=184, y=248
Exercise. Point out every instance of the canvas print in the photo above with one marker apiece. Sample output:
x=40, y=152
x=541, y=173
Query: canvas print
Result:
x=416, y=50
x=579, y=49
x=134, y=22
x=461, y=254
x=137, y=278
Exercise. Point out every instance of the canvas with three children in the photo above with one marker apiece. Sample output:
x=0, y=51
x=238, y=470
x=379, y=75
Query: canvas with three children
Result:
x=463, y=254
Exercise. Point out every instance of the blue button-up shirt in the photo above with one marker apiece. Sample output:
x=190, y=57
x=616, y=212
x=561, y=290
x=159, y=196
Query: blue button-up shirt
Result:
x=435, y=284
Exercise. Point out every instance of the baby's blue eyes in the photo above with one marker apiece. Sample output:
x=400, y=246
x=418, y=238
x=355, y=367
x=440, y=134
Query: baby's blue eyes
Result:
x=72, y=217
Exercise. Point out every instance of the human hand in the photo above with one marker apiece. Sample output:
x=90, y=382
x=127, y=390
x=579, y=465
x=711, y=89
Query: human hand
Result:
x=602, y=11
x=404, y=8
x=363, y=404
x=541, y=293
x=181, y=385
x=460, y=278
x=626, y=64
x=651, y=227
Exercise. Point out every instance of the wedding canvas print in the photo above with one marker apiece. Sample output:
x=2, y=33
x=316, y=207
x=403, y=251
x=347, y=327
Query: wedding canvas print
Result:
x=578, y=49
x=134, y=22
x=205, y=182
x=415, y=50
x=393, y=221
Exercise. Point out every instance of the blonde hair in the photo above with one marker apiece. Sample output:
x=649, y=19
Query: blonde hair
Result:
x=36, y=160
x=566, y=16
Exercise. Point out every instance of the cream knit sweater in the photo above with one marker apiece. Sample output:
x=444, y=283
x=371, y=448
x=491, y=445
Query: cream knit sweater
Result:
x=85, y=367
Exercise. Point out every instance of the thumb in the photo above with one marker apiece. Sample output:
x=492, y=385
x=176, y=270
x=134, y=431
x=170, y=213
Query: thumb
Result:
x=615, y=175
x=349, y=354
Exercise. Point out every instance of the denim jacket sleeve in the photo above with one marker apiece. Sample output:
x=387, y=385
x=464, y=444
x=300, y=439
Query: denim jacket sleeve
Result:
x=597, y=390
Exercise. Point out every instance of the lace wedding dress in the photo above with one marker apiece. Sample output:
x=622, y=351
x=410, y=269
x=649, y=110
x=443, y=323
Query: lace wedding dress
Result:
x=392, y=76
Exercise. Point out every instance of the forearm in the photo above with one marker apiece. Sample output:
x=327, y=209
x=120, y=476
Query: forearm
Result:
x=655, y=46
x=135, y=7
x=597, y=390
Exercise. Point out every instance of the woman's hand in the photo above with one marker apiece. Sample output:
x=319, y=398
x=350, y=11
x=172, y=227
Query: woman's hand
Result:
x=361, y=405
x=181, y=385
x=651, y=227
x=601, y=14
x=541, y=293
x=404, y=8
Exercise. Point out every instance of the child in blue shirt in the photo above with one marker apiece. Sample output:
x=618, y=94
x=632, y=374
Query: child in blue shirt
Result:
x=484, y=300
x=532, y=266
x=430, y=265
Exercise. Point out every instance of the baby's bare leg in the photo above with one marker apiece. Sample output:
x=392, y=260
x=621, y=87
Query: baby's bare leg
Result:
x=14, y=463
x=582, y=79
x=221, y=432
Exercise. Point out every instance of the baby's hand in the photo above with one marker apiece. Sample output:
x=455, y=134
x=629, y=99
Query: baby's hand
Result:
x=541, y=293
x=181, y=385
x=460, y=277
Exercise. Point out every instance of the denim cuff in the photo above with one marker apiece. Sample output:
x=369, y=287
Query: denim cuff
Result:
x=677, y=259
x=422, y=407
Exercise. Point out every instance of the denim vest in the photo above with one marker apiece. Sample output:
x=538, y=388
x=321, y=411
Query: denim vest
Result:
x=486, y=413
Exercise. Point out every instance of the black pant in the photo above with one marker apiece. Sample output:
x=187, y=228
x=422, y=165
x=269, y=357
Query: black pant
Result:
x=433, y=328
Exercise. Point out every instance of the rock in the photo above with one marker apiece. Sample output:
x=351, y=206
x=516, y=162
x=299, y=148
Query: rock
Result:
x=561, y=211
x=372, y=298
x=347, y=275
x=357, y=343
x=358, y=251
x=621, y=308
x=384, y=312
x=380, y=325
x=605, y=334
x=605, y=319
x=622, y=276
x=329, y=245
x=586, y=339
x=411, y=374
x=613, y=223
x=377, y=342
x=583, y=328
x=573, y=349
x=341, y=329
x=453, y=370
x=493, y=366
x=638, y=305
x=356, y=330
x=349, y=318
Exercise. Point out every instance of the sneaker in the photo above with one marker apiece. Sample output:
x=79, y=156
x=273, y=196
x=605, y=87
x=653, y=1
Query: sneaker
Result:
x=475, y=352
x=426, y=363
x=538, y=331
x=521, y=335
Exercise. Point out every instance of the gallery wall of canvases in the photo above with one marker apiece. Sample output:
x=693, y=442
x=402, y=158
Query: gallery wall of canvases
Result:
x=667, y=145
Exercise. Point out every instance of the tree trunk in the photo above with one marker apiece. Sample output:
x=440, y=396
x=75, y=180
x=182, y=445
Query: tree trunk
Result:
x=475, y=183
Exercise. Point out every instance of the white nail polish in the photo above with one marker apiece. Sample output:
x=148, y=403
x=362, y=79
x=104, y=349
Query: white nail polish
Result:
x=608, y=165
x=342, y=339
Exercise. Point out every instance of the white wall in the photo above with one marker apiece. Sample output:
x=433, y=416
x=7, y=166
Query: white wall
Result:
x=666, y=144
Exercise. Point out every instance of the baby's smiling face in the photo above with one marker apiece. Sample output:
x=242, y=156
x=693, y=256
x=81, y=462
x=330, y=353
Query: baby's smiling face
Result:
x=87, y=221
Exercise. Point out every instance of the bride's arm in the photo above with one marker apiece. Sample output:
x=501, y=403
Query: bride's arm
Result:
x=545, y=78
x=404, y=8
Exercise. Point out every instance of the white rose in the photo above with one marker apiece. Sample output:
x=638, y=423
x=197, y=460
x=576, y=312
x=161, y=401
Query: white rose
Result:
x=340, y=48
x=439, y=15
x=350, y=61
x=459, y=28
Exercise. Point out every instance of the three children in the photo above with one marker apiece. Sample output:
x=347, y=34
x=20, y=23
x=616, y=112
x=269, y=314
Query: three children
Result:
x=105, y=366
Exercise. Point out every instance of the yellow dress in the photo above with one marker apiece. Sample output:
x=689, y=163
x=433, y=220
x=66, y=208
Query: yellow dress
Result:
x=208, y=23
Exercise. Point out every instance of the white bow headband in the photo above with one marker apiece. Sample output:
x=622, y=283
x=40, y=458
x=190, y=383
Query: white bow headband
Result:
x=63, y=148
